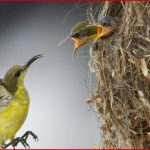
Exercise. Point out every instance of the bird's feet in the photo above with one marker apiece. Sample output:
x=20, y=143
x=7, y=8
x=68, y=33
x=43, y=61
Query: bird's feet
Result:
x=22, y=140
x=26, y=135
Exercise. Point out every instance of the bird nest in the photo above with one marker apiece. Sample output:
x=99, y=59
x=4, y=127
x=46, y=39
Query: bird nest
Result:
x=121, y=64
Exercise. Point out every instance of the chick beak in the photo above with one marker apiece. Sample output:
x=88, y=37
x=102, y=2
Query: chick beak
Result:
x=103, y=31
x=29, y=62
x=77, y=44
x=107, y=31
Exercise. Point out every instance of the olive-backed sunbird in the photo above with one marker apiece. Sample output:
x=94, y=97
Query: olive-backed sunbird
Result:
x=14, y=103
x=83, y=32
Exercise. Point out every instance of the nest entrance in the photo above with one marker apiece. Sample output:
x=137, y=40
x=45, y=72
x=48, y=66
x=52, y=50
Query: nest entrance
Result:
x=121, y=64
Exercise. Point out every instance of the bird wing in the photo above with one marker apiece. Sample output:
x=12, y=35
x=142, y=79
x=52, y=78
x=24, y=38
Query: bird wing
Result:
x=5, y=96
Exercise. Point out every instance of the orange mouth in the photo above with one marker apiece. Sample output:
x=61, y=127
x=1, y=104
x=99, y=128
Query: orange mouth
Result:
x=107, y=31
x=77, y=44
x=103, y=31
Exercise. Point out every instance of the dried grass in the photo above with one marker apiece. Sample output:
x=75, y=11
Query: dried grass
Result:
x=121, y=64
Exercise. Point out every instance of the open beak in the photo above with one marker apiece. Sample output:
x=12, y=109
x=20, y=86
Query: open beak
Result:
x=107, y=31
x=92, y=33
x=29, y=62
x=103, y=31
x=77, y=44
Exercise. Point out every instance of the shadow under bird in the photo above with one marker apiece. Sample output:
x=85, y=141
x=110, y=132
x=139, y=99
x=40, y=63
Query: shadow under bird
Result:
x=83, y=33
x=14, y=105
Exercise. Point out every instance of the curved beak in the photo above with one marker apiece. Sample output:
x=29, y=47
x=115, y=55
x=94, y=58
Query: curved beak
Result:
x=29, y=62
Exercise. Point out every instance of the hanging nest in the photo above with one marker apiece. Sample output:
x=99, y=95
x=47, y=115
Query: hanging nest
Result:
x=121, y=64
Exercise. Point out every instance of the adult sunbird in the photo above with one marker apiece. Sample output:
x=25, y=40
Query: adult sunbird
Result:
x=14, y=104
x=83, y=32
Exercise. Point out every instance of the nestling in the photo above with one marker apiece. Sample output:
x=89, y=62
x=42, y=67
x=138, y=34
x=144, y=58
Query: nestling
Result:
x=83, y=32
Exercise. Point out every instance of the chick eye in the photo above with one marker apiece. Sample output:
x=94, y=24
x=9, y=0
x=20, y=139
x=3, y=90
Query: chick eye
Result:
x=17, y=74
x=77, y=35
x=105, y=24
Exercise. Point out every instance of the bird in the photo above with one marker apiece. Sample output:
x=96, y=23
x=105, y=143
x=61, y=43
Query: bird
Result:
x=14, y=104
x=83, y=32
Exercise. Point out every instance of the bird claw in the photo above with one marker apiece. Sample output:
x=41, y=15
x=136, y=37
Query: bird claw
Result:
x=22, y=140
x=26, y=135
x=15, y=142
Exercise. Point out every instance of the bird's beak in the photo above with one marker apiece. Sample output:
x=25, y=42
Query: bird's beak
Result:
x=29, y=62
x=107, y=31
x=77, y=44
x=103, y=31
x=64, y=40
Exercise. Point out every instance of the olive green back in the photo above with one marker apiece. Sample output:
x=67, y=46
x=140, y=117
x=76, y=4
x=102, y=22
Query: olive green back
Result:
x=78, y=26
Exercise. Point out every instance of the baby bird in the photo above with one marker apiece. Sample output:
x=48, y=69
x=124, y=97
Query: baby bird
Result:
x=83, y=33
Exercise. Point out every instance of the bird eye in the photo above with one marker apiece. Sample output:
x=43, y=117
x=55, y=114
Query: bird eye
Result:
x=76, y=35
x=105, y=23
x=17, y=74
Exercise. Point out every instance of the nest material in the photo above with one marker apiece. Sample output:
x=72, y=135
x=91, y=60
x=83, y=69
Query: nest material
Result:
x=121, y=64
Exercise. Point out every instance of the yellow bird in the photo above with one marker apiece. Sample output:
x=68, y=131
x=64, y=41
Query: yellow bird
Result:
x=83, y=32
x=14, y=105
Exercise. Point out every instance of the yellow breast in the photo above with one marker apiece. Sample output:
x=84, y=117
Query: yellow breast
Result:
x=13, y=115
